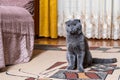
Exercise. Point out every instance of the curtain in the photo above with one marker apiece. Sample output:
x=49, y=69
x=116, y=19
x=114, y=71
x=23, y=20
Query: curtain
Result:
x=100, y=18
x=48, y=18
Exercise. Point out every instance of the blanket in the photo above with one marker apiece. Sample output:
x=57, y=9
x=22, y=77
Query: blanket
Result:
x=16, y=35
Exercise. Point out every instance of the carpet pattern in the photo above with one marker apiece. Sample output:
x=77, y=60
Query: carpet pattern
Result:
x=95, y=72
x=62, y=74
x=99, y=71
x=49, y=63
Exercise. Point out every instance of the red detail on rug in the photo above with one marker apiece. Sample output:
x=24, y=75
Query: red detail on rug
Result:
x=64, y=67
x=109, y=71
x=92, y=75
x=55, y=65
x=113, y=65
x=71, y=75
x=30, y=78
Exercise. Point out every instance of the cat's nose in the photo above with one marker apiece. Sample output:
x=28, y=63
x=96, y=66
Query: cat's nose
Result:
x=72, y=32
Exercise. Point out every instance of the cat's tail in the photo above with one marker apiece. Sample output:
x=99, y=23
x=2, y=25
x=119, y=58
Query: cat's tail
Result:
x=102, y=60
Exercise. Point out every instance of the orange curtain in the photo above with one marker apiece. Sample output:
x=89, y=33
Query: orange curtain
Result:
x=48, y=18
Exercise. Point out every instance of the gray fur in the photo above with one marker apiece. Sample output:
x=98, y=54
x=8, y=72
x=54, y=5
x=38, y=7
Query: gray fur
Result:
x=78, y=54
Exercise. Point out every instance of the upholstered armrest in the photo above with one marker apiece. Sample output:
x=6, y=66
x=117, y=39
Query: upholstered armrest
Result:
x=27, y=4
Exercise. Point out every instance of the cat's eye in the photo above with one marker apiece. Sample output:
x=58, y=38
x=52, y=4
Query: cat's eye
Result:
x=68, y=25
x=74, y=24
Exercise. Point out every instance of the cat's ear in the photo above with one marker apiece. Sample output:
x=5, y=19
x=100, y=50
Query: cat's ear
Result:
x=67, y=22
x=78, y=20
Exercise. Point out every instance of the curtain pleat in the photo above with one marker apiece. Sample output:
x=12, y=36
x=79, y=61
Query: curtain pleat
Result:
x=48, y=18
x=53, y=18
x=100, y=18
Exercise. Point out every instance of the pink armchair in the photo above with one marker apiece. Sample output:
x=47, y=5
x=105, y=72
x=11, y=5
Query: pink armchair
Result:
x=16, y=32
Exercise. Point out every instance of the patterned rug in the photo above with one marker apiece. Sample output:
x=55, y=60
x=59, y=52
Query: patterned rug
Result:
x=57, y=71
x=95, y=72
x=49, y=63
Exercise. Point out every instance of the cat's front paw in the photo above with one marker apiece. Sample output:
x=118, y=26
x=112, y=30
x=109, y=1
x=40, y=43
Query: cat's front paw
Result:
x=70, y=68
x=81, y=69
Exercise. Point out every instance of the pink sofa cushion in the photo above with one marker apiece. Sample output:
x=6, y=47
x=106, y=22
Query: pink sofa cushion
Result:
x=20, y=3
x=27, y=4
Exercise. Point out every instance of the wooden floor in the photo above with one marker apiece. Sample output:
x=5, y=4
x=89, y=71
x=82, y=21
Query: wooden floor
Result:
x=92, y=42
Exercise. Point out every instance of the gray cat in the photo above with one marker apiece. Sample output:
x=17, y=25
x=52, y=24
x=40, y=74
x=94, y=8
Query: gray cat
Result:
x=78, y=54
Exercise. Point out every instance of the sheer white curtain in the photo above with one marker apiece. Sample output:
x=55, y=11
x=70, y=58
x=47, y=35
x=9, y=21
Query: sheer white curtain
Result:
x=100, y=18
